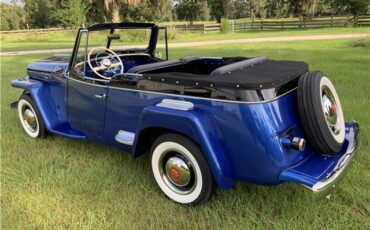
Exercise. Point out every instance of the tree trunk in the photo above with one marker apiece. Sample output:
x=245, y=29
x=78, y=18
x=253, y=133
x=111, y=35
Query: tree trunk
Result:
x=348, y=20
x=111, y=9
x=191, y=21
x=218, y=19
x=355, y=20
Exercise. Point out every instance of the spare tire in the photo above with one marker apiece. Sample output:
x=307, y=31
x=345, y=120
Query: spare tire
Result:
x=321, y=113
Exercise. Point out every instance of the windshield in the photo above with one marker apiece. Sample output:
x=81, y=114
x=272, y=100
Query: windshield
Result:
x=121, y=39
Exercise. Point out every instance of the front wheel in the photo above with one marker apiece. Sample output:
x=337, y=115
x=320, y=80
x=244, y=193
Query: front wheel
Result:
x=30, y=117
x=180, y=170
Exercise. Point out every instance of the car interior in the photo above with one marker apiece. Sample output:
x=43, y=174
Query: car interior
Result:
x=129, y=66
x=137, y=60
x=142, y=63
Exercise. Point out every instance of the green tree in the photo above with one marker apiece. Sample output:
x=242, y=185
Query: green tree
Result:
x=98, y=11
x=305, y=8
x=353, y=7
x=161, y=9
x=191, y=10
x=279, y=8
x=12, y=17
x=71, y=14
x=238, y=9
x=257, y=8
x=219, y=9
x=39, y=12
x=147, y=10
x=95, y=12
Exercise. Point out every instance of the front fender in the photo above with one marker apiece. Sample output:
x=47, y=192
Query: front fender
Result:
x=37, y=91
x=199, y=128
x=49, y=98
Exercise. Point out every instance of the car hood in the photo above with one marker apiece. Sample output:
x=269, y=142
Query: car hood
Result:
x=48, y=65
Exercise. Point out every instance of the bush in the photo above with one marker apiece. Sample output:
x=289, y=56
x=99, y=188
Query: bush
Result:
x=135, y=35
x=12, y=17
x=363, y=42
x=171, y=33
x=225, y=26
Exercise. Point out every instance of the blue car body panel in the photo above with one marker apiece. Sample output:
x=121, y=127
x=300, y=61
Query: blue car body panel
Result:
x=316, y=167
x=241, y=141
x=51, y=101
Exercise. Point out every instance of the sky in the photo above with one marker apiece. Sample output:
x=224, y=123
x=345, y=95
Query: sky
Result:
x=9, y=1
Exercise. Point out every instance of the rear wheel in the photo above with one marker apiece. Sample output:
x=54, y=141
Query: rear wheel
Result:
x=321, y=113
x=180, y=170
x=30, y=117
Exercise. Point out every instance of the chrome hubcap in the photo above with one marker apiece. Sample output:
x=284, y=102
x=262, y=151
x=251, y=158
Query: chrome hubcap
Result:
x=330, y=110
x=30, y=120
x=177, y=172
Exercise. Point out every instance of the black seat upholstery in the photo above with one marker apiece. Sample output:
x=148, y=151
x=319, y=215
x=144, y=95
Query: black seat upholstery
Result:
x=153, y=66
x=161, y=65
x=188, y=59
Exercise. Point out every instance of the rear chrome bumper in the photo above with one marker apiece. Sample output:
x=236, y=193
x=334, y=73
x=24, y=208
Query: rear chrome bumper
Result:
x=329, y=182
x=321, y=174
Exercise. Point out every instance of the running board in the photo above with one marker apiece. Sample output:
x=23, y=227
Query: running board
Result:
x=125, y=138
x=65, y=130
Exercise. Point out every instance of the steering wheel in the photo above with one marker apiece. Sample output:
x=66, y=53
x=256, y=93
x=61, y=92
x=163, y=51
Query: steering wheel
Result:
x=109, y=63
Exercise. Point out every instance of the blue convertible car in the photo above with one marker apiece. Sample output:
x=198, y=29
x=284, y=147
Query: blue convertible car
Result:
x=205, y=121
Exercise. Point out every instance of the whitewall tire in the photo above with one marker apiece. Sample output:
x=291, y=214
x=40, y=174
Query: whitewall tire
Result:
x=338, y=127
x=180, y=170
x=321, y=113
x=30, y=118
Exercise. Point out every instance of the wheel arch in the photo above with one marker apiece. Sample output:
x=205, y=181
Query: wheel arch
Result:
x=147, y=137
x=32, y=88
x=27, y=92
x=40, y=93
x=156, y=121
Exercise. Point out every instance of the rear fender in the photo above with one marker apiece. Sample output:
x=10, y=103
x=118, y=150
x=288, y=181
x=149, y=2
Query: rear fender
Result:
x=191, y=124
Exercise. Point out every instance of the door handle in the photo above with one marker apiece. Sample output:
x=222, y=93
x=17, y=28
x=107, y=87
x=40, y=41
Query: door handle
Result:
x=100, y=96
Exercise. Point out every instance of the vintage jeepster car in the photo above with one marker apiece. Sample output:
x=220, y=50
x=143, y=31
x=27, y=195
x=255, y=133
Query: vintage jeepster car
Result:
x=204, y=120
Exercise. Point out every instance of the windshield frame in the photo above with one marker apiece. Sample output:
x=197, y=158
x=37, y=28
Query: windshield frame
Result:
x=151, y=48
x=130, y=25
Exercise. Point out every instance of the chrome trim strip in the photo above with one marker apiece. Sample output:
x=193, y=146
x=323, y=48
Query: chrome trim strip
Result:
x=176, y=104
x=95, y=79
x=123, y=55
x=125, y=138
x=343, y=163
x=134, y=54
x=191, y=97
x=340, y=169
x=131, y=74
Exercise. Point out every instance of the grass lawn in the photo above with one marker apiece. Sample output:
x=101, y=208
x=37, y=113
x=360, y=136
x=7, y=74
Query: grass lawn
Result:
x=62, y=183
x=54, y=40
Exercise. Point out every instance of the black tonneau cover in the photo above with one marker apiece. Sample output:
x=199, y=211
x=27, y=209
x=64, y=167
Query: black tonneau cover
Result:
x=263, y=74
